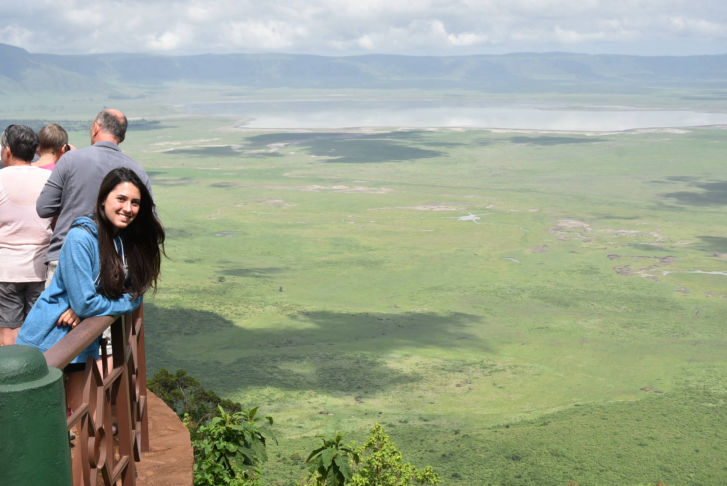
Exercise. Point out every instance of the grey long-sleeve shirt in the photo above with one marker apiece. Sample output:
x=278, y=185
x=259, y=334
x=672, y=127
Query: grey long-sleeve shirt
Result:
x=72, y=187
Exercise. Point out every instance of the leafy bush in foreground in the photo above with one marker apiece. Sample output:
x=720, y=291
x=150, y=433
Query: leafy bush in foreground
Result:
x=382, y=464
x=228, y=443
x=378, y=462
x=330, y=464
x=229, y=449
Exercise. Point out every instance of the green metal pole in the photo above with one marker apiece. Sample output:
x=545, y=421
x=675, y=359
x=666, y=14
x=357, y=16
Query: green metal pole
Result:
x=34, y=446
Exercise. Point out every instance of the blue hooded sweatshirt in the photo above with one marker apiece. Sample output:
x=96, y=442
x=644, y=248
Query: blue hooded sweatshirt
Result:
x=74, y=285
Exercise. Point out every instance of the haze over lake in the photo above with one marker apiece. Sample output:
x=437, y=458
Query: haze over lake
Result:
x=341, y=114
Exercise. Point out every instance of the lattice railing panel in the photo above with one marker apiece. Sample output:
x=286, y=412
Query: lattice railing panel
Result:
x=111, y=423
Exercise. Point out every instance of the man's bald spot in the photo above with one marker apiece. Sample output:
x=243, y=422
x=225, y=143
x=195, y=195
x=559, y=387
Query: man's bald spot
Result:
x=114, y=112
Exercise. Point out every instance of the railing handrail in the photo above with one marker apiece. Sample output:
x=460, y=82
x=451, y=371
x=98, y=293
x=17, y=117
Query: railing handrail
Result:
x=111, y=422
x=65, y=350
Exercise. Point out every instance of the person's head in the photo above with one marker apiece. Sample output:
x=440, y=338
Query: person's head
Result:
x=122, y=199
x=52, y=138
x=125, y=206
x=18, y=142
x=109, y=125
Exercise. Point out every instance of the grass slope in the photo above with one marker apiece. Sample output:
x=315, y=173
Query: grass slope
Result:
x=562, y=336
x=514, y=307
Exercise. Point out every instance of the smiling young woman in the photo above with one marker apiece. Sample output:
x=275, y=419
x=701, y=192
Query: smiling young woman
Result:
x=108, y=261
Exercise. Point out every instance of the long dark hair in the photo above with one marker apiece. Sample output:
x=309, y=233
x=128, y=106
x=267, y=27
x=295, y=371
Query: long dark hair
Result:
x=143, y=241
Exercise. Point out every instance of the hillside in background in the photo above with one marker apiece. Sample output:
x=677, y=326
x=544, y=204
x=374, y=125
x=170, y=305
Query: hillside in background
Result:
x=21, y=70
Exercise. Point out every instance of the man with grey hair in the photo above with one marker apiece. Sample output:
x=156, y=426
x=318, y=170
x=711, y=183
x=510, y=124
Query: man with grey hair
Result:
x=72, y=187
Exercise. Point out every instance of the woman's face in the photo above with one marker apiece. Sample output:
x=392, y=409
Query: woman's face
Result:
x=122, y=204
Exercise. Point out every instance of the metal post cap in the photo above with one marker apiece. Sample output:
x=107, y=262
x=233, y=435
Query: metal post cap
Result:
x=33, y=421
x=21, y=364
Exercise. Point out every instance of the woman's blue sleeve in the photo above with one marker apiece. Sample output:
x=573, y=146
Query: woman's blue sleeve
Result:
x=76, y=263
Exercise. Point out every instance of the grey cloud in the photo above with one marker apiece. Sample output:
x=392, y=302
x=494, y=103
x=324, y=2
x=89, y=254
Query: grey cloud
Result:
x=332, y=27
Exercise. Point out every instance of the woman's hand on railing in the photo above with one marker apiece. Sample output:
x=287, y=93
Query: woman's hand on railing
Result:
x=68, y=318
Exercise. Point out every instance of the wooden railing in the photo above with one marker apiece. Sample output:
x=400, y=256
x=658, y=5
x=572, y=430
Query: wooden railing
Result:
x=111, y=423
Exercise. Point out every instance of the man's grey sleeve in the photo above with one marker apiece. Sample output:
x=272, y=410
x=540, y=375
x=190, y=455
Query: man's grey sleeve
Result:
x=49, y=200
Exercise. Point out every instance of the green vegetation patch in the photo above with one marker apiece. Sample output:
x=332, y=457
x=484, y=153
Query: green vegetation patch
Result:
x=676, y=438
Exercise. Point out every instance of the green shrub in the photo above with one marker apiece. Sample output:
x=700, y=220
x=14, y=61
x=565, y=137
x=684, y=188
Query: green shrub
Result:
x=330, y=464
x=382, y=464
x=230, y=448
x=378, y=462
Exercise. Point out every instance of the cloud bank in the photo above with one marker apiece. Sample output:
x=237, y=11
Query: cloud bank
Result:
x=348, y=27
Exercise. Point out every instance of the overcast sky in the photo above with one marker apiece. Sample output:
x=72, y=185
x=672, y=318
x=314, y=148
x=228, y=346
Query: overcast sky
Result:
x=346, y=27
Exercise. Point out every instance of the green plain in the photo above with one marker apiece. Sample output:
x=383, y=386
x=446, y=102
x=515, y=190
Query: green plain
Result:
x=513, y=307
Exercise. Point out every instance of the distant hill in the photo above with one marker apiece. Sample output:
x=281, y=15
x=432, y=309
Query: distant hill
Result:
x=525, y=72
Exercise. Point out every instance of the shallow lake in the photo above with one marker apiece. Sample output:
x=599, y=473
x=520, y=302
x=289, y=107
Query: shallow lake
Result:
x=419, y=114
